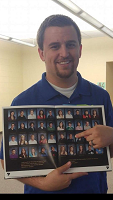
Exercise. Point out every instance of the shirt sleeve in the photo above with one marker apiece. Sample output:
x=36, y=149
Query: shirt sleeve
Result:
x=1, y=151
x=108, y=111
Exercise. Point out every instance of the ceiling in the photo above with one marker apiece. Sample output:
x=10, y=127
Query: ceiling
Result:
x=21, y=18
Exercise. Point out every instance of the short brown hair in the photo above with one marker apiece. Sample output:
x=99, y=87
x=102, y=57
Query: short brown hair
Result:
x=56, y=20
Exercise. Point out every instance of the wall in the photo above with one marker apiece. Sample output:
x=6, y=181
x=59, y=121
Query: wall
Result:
x=96, y=52
x=109, y=79
x=33, y=67
x=10, y=73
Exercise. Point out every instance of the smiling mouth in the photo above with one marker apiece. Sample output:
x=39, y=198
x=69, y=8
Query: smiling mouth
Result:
x=64, y=62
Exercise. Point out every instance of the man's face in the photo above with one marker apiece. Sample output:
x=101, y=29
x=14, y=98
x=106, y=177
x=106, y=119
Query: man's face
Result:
x=13, y=152
x=61, y=52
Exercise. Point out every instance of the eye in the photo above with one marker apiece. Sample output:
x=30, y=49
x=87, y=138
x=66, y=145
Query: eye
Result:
x=71, y=45
x=55, y=47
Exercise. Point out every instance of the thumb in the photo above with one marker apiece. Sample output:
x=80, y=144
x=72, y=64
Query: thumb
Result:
x=64, y=167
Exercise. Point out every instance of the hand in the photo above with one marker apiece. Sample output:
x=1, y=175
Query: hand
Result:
x=57, y=180
x=100, y=135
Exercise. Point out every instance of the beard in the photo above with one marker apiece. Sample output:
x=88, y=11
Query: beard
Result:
x=66, y=72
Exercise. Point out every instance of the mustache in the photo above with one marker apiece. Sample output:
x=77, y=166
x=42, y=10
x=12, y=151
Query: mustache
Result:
x=64, y=59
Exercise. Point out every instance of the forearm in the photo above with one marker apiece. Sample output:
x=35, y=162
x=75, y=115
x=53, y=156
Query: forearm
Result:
x=32, y=181
x=36, y=182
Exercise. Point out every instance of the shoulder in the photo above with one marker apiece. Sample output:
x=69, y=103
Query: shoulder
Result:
x=96, y=91
x=27, y=96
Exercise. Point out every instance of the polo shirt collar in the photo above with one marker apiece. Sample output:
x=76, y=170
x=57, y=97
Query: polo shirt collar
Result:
x=83, y=86
x=46, y=89
x=49, y=92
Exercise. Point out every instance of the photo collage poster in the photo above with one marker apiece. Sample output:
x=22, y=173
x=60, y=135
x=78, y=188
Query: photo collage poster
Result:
x=38, y=139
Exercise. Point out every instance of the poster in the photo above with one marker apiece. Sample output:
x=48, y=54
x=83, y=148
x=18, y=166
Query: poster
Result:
x=38, y=139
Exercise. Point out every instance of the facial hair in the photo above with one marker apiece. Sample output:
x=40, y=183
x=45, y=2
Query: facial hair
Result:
x=68, y=71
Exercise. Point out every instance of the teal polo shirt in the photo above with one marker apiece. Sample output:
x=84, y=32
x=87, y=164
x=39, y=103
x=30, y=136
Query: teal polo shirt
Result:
x=42, y=93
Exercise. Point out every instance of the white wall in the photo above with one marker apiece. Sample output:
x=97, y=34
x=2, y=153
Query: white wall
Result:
x=11, y=74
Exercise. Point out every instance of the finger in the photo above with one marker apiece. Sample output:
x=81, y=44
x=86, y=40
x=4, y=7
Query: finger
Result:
x=64, y=167
x=89, y=138
x=83, y=134
x=77, y=175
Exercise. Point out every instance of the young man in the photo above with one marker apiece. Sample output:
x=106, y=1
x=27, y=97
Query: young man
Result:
x=59, y=41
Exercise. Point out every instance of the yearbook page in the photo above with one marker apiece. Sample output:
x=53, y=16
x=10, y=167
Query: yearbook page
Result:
x=38, y=139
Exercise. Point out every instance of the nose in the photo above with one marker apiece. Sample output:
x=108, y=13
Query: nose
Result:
x=64, y=52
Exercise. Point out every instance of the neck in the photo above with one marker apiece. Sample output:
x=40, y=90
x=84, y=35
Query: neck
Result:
x=63, y=82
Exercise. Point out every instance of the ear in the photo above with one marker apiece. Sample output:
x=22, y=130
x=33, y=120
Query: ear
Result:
x=80, y=51
x=41, y=54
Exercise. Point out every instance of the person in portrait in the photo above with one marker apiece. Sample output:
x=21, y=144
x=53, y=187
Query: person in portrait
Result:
x=70, y=139
x=69, y=114
x=21, y=115
x=90, y=151
x=41, y=114
x=60, y=114
x=41, y=127
x=63, y=151
x=13, y=154
x=33, y=153
x=32, y=127
x=22, y=140
x=43, y=152
x=12, y=128
x=43, y=139
x=52, y=138
x=62, y=138
x=61, y=126
x=71, y=150
x=78, y=126
x=32, y=139
x=80, y=150
x=99, y=151
x=22, y=127
x=86, y=114
x=87, y=125
x=94, y=114
x=53, y=151
x=77, y=114
x=70, y=126
x=13, y=141
x=23, y=153
x=32, y=115
x=12, y=116
x=50, y=114
x=95, y=122
x=51, y=126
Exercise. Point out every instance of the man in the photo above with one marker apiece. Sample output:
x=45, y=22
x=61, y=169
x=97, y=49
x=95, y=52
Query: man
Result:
x=70, y=126
x=32, y=127
x=87, y=125
x=89, y=151
x=52, y=138
x=62, y=138
x=32, y=139
x=41, y=127
x=13, y=153
x=32, y=115
x=13, y=141
x=59, y=42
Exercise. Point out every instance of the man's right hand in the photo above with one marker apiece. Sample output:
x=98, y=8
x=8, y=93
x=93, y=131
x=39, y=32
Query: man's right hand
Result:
x=58, y=180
